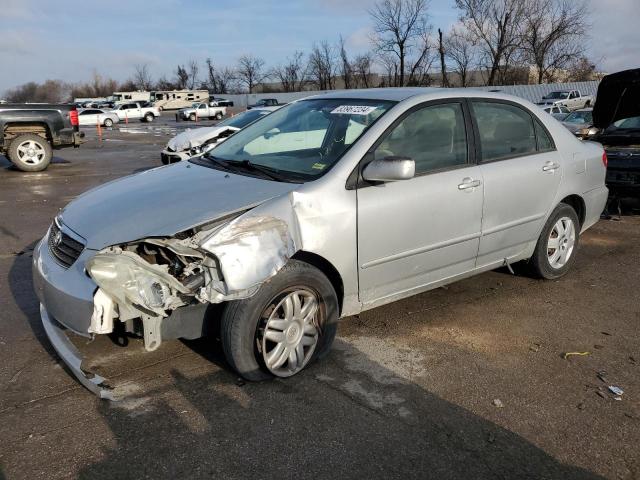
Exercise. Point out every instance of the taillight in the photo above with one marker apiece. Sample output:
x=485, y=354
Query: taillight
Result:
x=73, y=116
x=605, y=161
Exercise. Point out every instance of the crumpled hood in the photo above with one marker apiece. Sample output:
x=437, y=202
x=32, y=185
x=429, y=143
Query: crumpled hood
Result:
x=162, y=202
x=618, y=98
x=195, y=137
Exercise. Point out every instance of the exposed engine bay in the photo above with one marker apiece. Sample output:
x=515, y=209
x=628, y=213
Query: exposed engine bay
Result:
x=216, y=262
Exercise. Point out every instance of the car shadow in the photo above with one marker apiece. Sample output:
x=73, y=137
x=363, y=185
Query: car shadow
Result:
x=347, y=416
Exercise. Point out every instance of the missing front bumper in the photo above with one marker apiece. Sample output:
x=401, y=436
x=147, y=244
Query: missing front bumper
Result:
x=71, y=356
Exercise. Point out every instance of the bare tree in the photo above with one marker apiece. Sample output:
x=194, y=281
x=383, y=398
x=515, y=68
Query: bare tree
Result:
x=497, y=28
x=182, y=77
x=51, y=91
x=462, y=54
x=164, y=84
x=291, y=74
x=582, y=70
x=443, y=65
x=250, y=71
x=192, y=73
x=322, y=65
x=362, y=70
x=401, y=36
x=142, y=77
x=555, y=34
x=346, y=69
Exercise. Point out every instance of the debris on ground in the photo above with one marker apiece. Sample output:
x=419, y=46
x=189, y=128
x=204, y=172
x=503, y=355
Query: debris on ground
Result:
x=602, y=376
x=615, y=390
x=535, y=347
x=497, y=403
x=569, y=354
x=601, y=393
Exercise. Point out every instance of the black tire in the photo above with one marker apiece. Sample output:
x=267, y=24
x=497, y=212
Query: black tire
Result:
x=587, y=104
x=241, y=318
x=108, y=122
x=219, y=116
x=192, y=117
x=20, y=159
x=149, y=117
x=539, y=263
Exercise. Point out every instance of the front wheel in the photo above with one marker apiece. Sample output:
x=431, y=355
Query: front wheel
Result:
x=30, y=152
x=288, y=323
x=556, y=248
x=108, y=122
x=192, y=117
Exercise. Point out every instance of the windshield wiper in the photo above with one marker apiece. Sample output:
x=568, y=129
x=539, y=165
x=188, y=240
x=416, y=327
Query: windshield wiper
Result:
x=221, y=163
x=268, y=172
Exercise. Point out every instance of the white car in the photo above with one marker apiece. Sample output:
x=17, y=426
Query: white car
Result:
x=200, y=140
x=557, y=111
x=572, y=99
x=134, y=110
x=95, y=116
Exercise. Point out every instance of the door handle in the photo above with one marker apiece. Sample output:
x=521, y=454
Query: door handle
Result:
x=550, y=167
x=468, y=184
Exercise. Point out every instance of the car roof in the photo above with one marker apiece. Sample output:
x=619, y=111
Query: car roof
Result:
x=399, y=94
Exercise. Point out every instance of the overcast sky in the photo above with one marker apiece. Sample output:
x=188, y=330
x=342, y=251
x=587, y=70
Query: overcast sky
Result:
x=69, y=39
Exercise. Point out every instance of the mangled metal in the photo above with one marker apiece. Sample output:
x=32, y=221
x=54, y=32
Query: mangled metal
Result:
x=221, y=261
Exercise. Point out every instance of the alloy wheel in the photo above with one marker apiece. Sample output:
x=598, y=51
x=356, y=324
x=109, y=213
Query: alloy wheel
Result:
x=561, y=242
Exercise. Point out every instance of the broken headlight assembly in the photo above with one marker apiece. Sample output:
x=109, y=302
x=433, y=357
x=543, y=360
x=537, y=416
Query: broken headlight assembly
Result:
x=128, y=279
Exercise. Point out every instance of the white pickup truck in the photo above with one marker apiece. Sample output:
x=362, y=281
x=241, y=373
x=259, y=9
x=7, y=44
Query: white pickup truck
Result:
x=135, y=110
x=572, y=99
x=202, y=110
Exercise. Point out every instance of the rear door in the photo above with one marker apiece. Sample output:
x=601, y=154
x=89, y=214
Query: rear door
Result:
x=414, y=233
x=521, y=169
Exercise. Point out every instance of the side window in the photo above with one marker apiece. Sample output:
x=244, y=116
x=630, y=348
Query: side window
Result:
x=544, y=141
x=505, y=130
x=434, y=137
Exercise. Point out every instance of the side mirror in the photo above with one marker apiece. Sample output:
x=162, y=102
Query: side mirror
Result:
x=390, y=169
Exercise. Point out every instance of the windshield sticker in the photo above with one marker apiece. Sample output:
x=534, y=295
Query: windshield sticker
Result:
x=319, y=166
x=353, y=110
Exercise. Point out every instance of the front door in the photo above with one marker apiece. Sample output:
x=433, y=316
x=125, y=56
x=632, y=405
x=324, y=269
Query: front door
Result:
x=416, y=232
x=521, y=170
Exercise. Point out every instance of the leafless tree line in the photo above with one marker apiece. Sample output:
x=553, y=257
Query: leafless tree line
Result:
x=489, y=45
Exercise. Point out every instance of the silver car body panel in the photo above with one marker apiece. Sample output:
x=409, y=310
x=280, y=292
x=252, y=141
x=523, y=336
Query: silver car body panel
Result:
x=386, y=242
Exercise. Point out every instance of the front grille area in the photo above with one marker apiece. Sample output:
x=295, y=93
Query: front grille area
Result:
x=64, y=249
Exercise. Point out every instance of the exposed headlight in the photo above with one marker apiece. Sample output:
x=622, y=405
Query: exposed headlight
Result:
x=592, y=131
x=130, y=280
x=183, y=146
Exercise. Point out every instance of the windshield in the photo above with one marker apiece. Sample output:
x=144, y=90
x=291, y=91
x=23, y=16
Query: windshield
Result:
x=558, y=95
x=631, y=123
x=195, y=104
x=304, y=139
x=243, y=119
x=579, y=117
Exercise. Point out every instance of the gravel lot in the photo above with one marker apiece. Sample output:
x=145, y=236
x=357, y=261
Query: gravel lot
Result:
x=466, y=381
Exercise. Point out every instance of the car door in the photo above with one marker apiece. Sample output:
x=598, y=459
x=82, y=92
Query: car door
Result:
x=521, y=170
x=87, y=117
x=415, y=233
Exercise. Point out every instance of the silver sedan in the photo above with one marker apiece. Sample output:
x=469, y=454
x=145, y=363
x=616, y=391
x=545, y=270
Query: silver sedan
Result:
x=331, y=205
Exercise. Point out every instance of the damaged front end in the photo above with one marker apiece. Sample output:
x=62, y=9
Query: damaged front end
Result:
x=148, y=279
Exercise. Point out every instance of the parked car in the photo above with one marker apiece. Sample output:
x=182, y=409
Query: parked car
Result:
x=95, y=116
x=135, y=110
x=221, y=102
x=30, y=132
x=397, y=197
x=265, y=102
x=572, y=99
x=201, y=110
x=559, y=112
x=616, y=125
x=200, y=140
x=579, y=122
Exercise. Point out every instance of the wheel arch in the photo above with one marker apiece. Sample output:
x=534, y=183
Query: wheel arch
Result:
x=326, y=267
x=577, y=203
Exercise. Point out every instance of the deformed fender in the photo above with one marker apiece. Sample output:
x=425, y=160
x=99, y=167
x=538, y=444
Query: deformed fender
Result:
x=250, y=250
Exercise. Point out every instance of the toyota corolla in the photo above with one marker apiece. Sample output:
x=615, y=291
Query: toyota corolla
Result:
x=331, y=205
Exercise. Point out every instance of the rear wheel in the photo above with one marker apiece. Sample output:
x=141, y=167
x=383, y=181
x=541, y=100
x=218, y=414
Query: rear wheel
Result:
x=219, y=116
x=149, y=117
x=287, y=324
x=556, y=248
x=30, y=152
